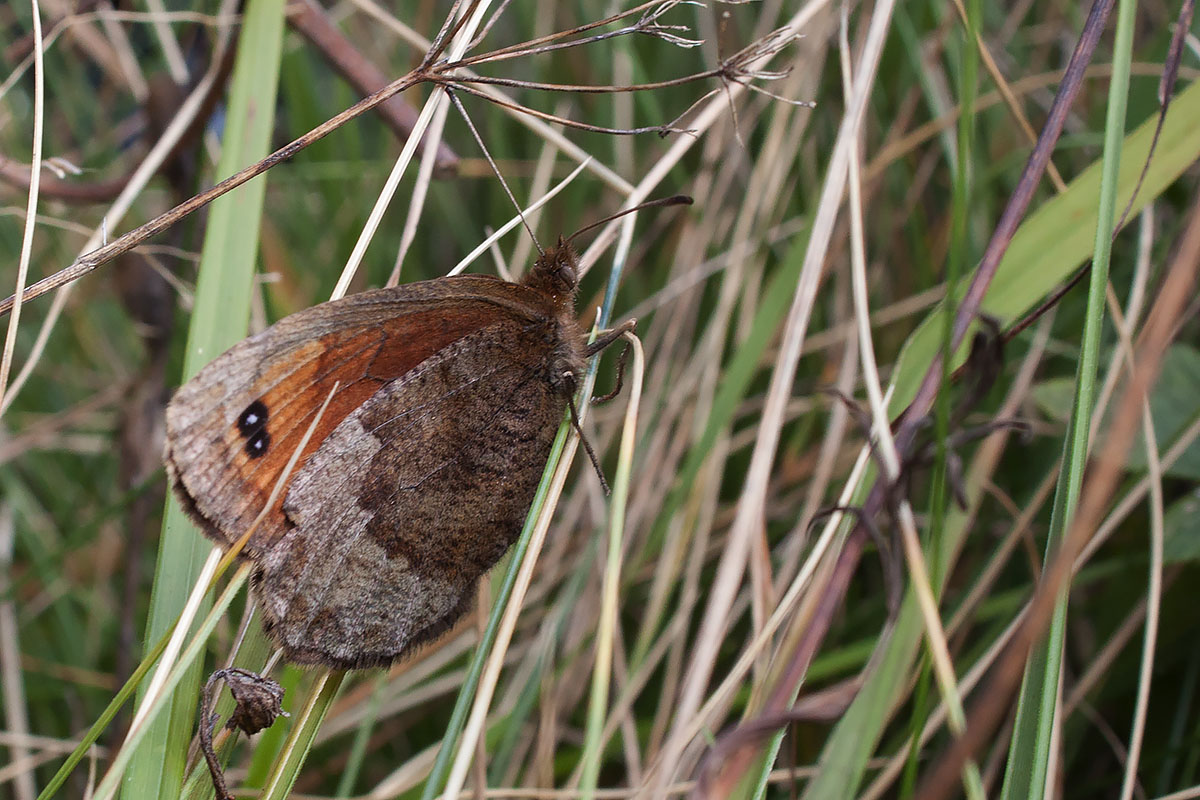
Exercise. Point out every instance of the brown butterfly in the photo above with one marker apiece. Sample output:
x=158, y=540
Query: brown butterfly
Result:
x=420, y=471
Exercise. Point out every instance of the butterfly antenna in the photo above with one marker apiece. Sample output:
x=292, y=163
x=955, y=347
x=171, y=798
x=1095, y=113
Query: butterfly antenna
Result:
x=674, y=200
x=586, y=444
x=470, y=125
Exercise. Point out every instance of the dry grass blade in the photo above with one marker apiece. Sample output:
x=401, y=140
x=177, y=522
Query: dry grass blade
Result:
x=311, y=21
x=751, y=506
x=39, y=117
x=16, y=717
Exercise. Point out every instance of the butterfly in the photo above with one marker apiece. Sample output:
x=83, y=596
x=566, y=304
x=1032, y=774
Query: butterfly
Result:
x=418, y=473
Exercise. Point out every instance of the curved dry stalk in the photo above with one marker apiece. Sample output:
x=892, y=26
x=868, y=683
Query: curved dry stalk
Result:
x=35, y=177
x=751, y=505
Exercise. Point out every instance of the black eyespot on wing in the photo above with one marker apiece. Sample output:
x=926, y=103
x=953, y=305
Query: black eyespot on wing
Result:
x=253, y=419
x=258, y=444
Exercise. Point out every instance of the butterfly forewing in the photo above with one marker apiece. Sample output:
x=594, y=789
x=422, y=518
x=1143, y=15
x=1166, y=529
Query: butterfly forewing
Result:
x=233, y=429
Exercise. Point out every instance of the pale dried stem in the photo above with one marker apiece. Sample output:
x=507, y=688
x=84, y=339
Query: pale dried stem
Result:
x=1010, y=100
x=705, y=119
x=609, y=616
x=35, y=180
x=87, y=40
x=215, y=564
x=983, y=465
x=1118, y=364
x=653, y=9
x=496, y=235
x=171, y=51
x=751, y=504
x=383, y=200
x=825, y=547
x=882, y=784
x=776, y=777
x=1097, y=492
x=110, y=15
x=904, y=145
x=698, y=519
x=495, y=662
x=682, y=394
x=832, y=443
x=1125, y=353
x=416, y=202
x=123, y=53
x=538, y=126
x=919, y=578
x=998, y=561
x=754, y=218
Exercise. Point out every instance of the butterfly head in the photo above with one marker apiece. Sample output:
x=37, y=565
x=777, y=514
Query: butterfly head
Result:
x=556, y=272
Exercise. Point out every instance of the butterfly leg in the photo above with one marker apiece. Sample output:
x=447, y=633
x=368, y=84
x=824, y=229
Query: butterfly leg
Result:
x=605, y=341
x=568, y=382
x=622, y=360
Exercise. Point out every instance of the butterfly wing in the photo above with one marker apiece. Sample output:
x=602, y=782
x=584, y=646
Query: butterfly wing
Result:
x=411, y=498
x=233, y=428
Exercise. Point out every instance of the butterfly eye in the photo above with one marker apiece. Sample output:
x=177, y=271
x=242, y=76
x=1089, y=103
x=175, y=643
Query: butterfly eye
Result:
x=566, y=274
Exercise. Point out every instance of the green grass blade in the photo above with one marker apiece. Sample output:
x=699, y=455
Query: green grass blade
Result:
x=602, y=667
x=744, y=365
x=221, y=313
x=300, y=739
x=189, y=659
x=1032, y=748
x=101, y=723
x=1059, y=236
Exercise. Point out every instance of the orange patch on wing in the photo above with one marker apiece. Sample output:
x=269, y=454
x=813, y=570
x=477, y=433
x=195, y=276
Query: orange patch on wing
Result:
x=359, y=363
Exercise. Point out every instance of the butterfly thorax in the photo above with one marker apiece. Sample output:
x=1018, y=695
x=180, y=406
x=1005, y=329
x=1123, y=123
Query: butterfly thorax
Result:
x=555, y=276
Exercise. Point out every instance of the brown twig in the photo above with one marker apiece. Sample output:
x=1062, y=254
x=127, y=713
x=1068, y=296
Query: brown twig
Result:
x=16, y=174
x=208, y=722
x=1013, y=213
x=1166, y=90
x=736, y=68
x=133, y=238
x=22, y=47
x=734, y=753
x=548, y=117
